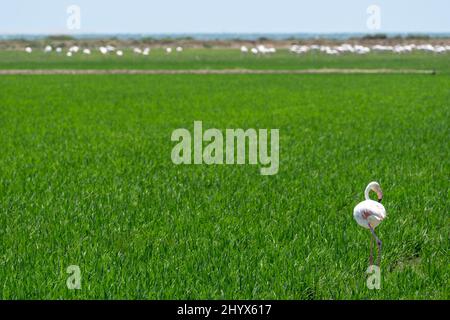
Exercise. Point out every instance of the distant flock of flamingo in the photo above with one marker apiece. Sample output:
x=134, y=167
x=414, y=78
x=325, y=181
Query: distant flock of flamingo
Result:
x=359, y=49
x=103, y=50
x=263, y=50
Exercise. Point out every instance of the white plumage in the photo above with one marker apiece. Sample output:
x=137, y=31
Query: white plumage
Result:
x=369, y=211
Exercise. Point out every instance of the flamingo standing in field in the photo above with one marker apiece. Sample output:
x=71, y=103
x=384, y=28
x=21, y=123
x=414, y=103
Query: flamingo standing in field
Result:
x=369, y=214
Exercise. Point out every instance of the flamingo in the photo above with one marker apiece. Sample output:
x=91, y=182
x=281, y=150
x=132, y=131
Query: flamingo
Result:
x=369, y=214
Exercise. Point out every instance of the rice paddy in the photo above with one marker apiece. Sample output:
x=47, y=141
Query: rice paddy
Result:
x=86, y=178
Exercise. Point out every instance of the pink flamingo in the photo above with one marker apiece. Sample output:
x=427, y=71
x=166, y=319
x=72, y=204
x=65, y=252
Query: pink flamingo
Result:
x=369, y=214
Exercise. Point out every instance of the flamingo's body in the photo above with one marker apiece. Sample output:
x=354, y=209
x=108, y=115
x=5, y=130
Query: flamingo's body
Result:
x=369, y=214
x=369, y=211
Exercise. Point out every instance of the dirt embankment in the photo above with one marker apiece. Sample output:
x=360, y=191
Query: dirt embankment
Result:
x=210, y=71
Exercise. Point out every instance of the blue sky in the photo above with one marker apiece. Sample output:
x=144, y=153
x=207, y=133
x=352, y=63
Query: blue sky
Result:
x=227, y=16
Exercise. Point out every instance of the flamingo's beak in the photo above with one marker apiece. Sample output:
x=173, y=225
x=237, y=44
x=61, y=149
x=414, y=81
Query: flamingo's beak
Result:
x=379, y=195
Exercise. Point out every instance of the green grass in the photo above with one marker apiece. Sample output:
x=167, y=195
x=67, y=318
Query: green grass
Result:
x=86, y=179
x=221, y=59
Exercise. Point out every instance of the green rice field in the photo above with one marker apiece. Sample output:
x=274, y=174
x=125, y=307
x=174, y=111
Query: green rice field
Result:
x=86, y=178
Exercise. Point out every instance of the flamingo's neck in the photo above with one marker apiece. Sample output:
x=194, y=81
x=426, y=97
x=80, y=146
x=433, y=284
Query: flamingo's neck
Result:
x=367, y=191
x=373, y=186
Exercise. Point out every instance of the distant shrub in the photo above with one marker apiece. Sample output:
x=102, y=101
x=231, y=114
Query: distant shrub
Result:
x=59, y=38
x=418, y=36
x=148, y=40
x=376, y=36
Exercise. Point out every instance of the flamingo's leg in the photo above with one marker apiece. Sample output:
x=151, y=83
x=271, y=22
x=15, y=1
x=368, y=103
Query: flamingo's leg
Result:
x=378, y=244
x=379, y=252
x=371, y=251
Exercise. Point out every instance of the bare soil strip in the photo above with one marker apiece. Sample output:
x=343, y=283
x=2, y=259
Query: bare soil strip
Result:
x=211, y=71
